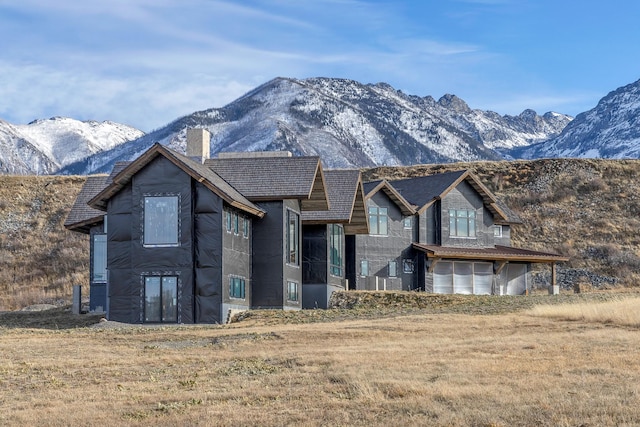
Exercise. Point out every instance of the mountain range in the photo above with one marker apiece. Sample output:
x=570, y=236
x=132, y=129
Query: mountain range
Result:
x=346, y=123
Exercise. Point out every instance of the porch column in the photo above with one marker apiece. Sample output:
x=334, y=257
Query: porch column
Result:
x=554, y=289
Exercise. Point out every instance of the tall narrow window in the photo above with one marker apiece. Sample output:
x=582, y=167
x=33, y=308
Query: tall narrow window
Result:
x=336, y=249
x=462, y=223
x=245, y=227
x=161, y=221
x=364, y=267
x=378, y=221
x=161, y=299
x=293, y=238
x=236, y=224
x=393, y=269
x=292, y=291
x=229, y=221
x=99, y=258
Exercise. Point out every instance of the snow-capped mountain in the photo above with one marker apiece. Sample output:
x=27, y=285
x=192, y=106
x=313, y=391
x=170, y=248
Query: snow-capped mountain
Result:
x=610, y=130
x=348, y=124
x=45, y=146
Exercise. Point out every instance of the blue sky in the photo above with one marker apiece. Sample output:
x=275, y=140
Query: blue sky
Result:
x=148, y=62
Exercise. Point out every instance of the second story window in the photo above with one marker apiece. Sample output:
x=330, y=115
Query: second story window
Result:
x=407, y=222
x=378, y=221
x=462, y=223
x=160, y=221
x=293, y=233
x=336, y=249
x=497, y=231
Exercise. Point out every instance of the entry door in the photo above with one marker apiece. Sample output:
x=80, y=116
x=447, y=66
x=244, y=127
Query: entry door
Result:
x=160, y=299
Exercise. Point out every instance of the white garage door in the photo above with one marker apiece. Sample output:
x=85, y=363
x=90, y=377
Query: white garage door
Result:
x=461, y=277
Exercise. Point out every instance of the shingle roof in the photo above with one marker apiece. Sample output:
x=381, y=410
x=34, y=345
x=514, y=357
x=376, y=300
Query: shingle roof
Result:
x=197, y=170
x=275, y=178
x=497, y=253
x=421, y=190
x=82, y=216
x=346, y=200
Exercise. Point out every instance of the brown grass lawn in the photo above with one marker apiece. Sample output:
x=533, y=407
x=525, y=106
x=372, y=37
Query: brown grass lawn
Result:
x=509, y=369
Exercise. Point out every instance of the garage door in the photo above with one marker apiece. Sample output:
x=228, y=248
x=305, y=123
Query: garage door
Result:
x=462, y=277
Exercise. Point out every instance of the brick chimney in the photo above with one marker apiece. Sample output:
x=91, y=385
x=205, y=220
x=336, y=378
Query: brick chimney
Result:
x=198, y=144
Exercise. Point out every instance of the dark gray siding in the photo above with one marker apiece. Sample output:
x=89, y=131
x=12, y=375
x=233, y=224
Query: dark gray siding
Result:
x=271, y=272
x=237, y=260
x=464, y=196
x=208, y=255
x=129, y=261
x=379, y=250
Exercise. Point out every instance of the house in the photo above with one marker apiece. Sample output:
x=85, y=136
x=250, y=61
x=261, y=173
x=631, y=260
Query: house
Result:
x=444, y=233
x=188, y=239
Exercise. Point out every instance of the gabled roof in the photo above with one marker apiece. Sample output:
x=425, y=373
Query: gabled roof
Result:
x=372, y=188
x=82, y=216
x=425, y=190
x=276, y=178
x=196, y=170
x=497, y=253
x=346, y=199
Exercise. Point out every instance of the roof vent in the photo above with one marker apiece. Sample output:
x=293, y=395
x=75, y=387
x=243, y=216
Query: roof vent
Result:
x=198, y=144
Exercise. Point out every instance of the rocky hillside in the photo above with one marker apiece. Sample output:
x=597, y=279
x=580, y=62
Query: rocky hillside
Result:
x=586, y=209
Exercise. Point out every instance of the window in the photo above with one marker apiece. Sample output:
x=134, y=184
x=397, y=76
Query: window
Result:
x=364, y=267
x=229, y=221
x=462, y=223
x=99, y=258
x=407, y=222
x=497, y=231
x=378, y=221
x=336, y=250
x=161, y=299
x=293, y=230
x=237, y=287
x=393, y=269
x=236, y=224
x=160, y=221
x=407, y=265
x=292, y=291
x=245, y=228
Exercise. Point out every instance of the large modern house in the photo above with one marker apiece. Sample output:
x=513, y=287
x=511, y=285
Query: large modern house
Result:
x=188, y=239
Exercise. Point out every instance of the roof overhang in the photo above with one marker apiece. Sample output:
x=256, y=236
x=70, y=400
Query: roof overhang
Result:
x=317, y=199
x=497, y=253
x=85, y=225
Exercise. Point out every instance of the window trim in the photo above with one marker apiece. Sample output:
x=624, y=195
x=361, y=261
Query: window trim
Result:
x=94, y=258
x=336, y=258
x=394, y=269
x=295, y=294
x=470, y=219
x=295, y=239
x=161, y=276
x=145, y=216
x=408, y=266
x=497, y=230
x=243, y=289
x=375, y=214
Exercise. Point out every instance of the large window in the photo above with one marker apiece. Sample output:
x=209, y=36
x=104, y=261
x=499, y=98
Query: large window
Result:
x=293, y=238
x=462, y=223
x=293, y=291
x=99, y=258
x=378, y=221
x=161, y=221
x=237, y=287
x=161, y=299
x=336, y=249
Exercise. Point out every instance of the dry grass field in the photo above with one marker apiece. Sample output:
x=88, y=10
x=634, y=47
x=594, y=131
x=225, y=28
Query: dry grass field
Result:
x=525, y=368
